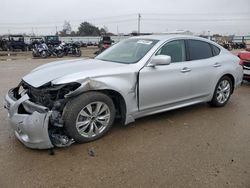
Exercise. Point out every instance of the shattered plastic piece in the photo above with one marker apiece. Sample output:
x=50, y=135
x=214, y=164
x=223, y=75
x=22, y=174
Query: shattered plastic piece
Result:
x=91, y=152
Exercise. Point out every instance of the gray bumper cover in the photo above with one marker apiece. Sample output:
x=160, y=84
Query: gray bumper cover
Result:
x=30, y=129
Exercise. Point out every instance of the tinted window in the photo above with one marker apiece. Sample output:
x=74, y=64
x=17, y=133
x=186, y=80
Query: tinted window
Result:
x=199, y=50
x=216, y=50
x=174, y=49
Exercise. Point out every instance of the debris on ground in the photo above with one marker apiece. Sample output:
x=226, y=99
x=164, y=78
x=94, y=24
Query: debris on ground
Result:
x=91, y=152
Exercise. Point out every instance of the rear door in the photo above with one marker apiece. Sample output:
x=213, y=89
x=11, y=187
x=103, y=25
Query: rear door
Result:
x=204, y=66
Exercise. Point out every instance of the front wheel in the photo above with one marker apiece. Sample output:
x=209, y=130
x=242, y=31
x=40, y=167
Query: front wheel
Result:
x=78, y=53
x=222, y=93
x=89, y=116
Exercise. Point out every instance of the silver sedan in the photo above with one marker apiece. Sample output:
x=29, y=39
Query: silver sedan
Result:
x=64, y=102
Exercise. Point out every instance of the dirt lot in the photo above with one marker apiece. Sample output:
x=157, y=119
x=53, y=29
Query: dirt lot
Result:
x=197, y=146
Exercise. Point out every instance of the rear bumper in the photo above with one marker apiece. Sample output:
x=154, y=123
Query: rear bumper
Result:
x=246, y=75
x=30, y=128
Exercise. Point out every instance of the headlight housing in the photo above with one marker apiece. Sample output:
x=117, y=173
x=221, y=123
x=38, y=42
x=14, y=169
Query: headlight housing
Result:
x=48, y=94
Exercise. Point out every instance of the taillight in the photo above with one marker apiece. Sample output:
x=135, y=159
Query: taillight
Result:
x=241, y=63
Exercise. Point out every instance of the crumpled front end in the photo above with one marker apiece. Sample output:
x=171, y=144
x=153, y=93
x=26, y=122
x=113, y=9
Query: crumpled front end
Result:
x=29, y=121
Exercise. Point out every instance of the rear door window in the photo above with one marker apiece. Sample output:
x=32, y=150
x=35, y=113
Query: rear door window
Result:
x=199, y=50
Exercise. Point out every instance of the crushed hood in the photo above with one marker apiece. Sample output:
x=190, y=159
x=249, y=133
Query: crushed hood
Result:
x=57, y=70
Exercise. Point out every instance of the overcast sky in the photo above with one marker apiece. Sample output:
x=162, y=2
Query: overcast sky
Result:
x=198, y=16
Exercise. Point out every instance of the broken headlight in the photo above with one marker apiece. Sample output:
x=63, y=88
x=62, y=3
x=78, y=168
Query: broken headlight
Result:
x=48, y=94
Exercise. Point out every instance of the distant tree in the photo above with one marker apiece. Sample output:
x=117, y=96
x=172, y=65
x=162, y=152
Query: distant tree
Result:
x=217, y=35
x=87, y=29
x=66, y=29
x=104, y=30
x=73, y=33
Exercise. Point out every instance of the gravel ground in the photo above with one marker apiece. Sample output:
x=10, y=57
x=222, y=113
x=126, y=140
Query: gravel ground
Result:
x=197, y=146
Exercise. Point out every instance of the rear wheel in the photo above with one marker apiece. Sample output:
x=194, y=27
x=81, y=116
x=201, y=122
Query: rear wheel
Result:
x=89, y=116
x=222, y=92
x=44, y=54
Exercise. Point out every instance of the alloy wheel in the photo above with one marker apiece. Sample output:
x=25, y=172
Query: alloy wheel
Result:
x=93, y=119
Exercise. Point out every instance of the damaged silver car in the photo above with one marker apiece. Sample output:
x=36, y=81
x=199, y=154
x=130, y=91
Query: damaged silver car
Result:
x=78, y=100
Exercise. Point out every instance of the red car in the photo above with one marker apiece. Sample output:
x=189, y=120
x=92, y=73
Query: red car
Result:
x=245, y=62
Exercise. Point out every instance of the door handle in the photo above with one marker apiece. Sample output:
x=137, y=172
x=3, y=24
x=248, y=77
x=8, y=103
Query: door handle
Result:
x=217, y=65
x=185, y=69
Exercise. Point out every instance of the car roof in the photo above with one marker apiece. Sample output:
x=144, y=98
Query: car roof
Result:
x=165, y=37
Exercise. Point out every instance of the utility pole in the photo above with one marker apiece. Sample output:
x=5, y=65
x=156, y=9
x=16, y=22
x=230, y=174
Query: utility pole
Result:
x=32, y=29
x=117, y=29
x=139, y=23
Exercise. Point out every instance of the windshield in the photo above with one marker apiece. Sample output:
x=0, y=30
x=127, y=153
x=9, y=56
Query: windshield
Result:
x=127, y=51
x=53, y=38
x=16, y=38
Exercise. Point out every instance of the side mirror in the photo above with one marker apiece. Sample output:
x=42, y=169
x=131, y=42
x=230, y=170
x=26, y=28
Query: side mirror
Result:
x=160, y=60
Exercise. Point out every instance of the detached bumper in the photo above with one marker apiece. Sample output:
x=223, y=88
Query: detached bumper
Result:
x=31, y=127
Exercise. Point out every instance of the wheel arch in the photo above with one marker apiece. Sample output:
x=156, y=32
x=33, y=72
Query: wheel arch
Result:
x=119, y=102
x=232, y=79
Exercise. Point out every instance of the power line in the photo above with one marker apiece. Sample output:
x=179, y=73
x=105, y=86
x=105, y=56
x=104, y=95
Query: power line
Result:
x=199, y=14
x=71, y=20
x=196, y=20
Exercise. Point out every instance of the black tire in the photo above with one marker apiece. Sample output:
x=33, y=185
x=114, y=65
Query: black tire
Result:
x=78, y=53
x=215, y=102
x=44, y=54
x=76, y=105
x=60, y=54
x=34, y=54
x=24, y=49
x=10, y=48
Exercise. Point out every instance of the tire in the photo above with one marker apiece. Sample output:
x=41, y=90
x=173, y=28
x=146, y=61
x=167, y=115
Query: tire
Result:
x=44, y=54
x=220, y=98
x=92, y=126
x=60, y=54
x=34, y=54
x=24, y=49
x=10, y=48
x=78, y=53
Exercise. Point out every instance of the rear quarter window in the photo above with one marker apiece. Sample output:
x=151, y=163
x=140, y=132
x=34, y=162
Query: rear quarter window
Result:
x=216, y=50
x=199, y=50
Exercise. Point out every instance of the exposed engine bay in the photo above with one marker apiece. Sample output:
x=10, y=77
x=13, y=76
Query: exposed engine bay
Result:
x=52, y=98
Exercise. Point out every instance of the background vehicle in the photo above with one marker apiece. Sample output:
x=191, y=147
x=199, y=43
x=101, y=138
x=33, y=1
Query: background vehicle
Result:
x=52, y=40
x=79, y=100
x=72, y=49
x=13, y=42
x=104, y=44
x=40, y=50
x=245, y=62
x=33, y=41
x=44, y=51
